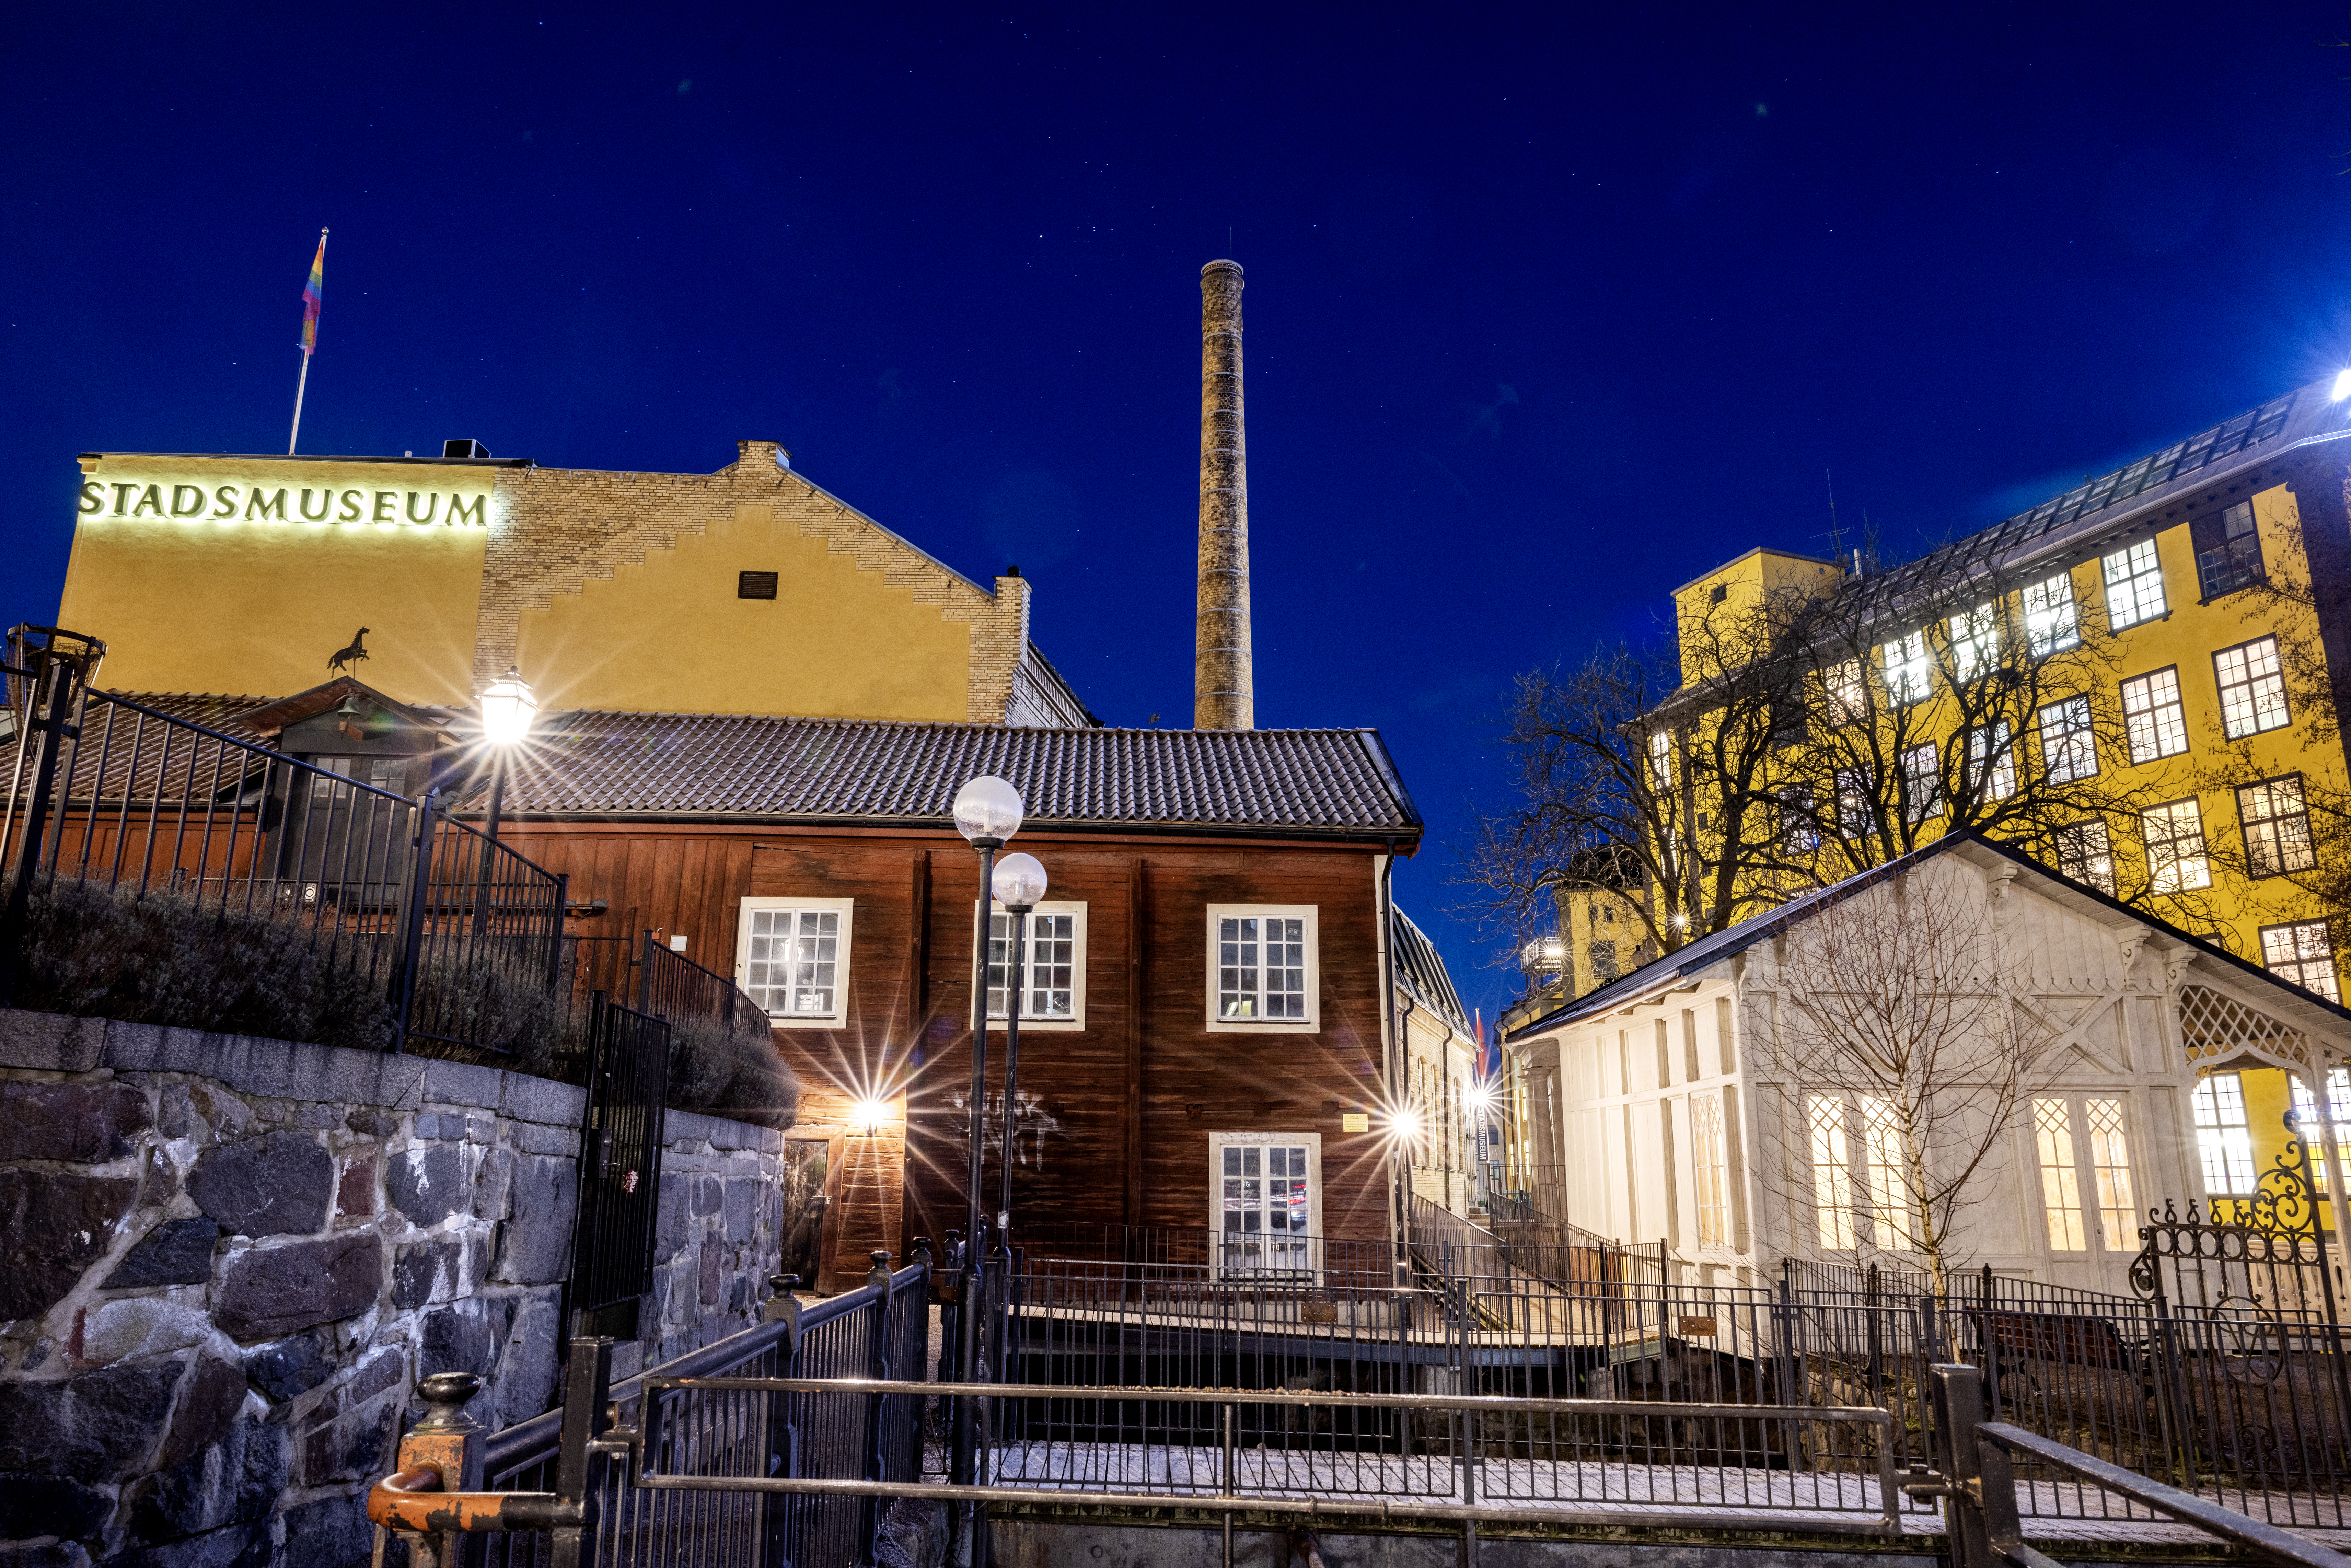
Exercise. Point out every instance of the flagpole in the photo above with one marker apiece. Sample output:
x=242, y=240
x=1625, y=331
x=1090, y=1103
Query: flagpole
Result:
x=299, y=387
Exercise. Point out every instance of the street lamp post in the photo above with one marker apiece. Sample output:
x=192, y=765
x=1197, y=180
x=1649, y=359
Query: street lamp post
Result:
x=986, y=813
x=1019, y=882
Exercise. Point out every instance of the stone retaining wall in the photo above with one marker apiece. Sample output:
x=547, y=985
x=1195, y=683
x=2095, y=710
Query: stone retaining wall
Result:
x=225, y=1262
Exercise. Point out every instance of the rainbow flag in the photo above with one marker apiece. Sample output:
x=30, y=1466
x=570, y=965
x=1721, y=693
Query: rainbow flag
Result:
x=310, y=292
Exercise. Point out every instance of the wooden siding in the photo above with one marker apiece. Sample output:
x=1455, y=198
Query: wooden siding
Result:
x=1115, y=1118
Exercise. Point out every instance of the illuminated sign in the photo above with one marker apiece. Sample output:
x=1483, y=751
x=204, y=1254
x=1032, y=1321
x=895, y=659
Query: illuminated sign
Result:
x=437, y=508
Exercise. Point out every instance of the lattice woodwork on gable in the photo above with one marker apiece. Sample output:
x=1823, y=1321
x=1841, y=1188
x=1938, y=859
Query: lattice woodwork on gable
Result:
x=2218, y=1028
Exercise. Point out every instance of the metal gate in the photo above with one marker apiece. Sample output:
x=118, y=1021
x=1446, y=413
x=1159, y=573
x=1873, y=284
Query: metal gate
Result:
x=620, y=1170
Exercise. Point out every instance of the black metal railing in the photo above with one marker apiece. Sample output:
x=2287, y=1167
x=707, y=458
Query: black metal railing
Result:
x=680, y=1427
x=298, y=901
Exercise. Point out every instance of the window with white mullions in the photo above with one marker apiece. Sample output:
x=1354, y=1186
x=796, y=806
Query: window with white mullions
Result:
x=1832, y=1172
x=1266, y=1203
x=1909, y=673
x=2302, y=951
x=1975, y=641
x=2069, y=748
x=1991, y=760
x=2176, y=859
x=1890, y=1210
x=2061, y=1182
x=1052, y=972
x=2153, y=719
x=1263, y=968
x=2086, y=1194
x=2224, y=1138
x=1847, y=692
x=792, y=955
x=2053, y=622
x=2085, y=852
x=2134, y=585
x=2253, y=688
x=2306, y=1119
x=2228, y=549
x=2276, y=821
x=1922, y=783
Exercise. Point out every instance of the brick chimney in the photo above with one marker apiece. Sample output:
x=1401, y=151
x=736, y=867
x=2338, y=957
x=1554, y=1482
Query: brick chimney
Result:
x=1223, y=676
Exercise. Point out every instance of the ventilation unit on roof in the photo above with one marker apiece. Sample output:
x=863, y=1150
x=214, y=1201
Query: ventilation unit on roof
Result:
x=464, y=449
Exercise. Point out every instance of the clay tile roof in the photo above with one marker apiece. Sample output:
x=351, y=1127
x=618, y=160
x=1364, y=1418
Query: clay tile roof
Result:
x=1315, y=782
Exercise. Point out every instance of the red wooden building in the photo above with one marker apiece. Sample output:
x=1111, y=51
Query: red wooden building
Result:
x=1204, y=1041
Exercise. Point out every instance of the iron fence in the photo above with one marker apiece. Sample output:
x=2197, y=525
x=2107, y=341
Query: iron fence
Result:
x=621, y=1142
x=387, y=921
x=679, y=1426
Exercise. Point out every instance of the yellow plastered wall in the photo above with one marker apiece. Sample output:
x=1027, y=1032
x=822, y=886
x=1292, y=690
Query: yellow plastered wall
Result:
x=670, y=632
x=1744, y=581
x=222, y=603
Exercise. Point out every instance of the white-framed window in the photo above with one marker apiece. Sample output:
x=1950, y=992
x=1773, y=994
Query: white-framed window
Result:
x=2098, y=1165
x=2307, y=1120
x=1991, y=760
x=1909, y=673
x=2153, y=719
x=1848, y=692
x=2224, y=1138
x=1856, y=812
x=2302, y=952
x=1263, y=975
x=1799, y=835
x=1052, y=965
x=1922, y=783
x=1975, y=641
x=1889, y=1183
x=1265, y=1201
x=2175, y=861
x=2253, y=688
x=1832, y=1172
x=2053, y=622
x=2086, y=852
x=2277, y=819
x=2069, y=748
x=1710, y=1149
x=792, y=955
x=1661, y=760
x=2134, y=585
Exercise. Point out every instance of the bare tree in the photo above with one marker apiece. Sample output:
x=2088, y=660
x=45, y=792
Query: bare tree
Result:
x=1907, y=1059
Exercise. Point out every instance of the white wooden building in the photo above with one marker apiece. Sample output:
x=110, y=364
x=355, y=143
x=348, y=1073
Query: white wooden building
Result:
x=1674, y=1104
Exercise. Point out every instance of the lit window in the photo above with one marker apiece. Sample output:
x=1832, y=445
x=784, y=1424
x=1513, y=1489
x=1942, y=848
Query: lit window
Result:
x=1975, y=641
x=2086, y=854
x=1992, y=761
x=2302, y=952
x=1856, y=811
x=1889, y=1184
x=1712, y=1154
x=1832, y=1172
x=2175, y=861
x=1848, y=693
x=1922, y=783
x=2110, y=1172
x=1909, y=671
x=2068, y=747
x=1798, y=835
x=2224, y=1140
x=793, y=956
x=2053, y=623
x=1053, y=973
x=1261, y=967
x=1661, y=758
x=2228, y=549
x=2060, y=1182
x=2253, y=688
x=2134, y=585
x=1266, y=1201
x=2153, y=719
x=2306, y=1117
x=2277, y=819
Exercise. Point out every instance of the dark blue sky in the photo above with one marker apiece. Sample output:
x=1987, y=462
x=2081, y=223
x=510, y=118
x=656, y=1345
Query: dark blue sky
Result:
x=1548, y=309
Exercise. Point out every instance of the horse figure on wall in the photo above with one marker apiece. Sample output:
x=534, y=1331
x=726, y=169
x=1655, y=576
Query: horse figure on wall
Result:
x=339, y=662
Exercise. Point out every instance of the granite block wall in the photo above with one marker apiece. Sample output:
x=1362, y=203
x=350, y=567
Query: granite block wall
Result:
x=225, y=1262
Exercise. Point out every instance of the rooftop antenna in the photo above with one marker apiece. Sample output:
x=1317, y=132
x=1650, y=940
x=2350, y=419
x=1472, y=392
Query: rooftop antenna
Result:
x=1835, y=536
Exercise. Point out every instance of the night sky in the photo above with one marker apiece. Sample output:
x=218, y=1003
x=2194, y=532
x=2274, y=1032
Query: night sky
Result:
x=1548, y=311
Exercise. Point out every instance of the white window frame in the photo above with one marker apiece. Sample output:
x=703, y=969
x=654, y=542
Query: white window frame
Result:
x=2287, y=952
x=1909, y=669
x=2155, y=716
x=846, y=909
x=2181, y=870
x=1220, y=1141
x=2069, y=745
x=2134, y=583
x=2088, y=1205
x=1991, y=760
x=2252, y=682
x=1847, y=692
x=2053, y=616
x=2224, y=1136
x=1922, y=783
x=1029, y=1020
x=1975, y=641
x=2089, y=843
x=1313, y=1022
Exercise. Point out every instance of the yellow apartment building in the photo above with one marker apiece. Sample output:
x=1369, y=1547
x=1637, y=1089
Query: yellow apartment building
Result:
x=2188, y=712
